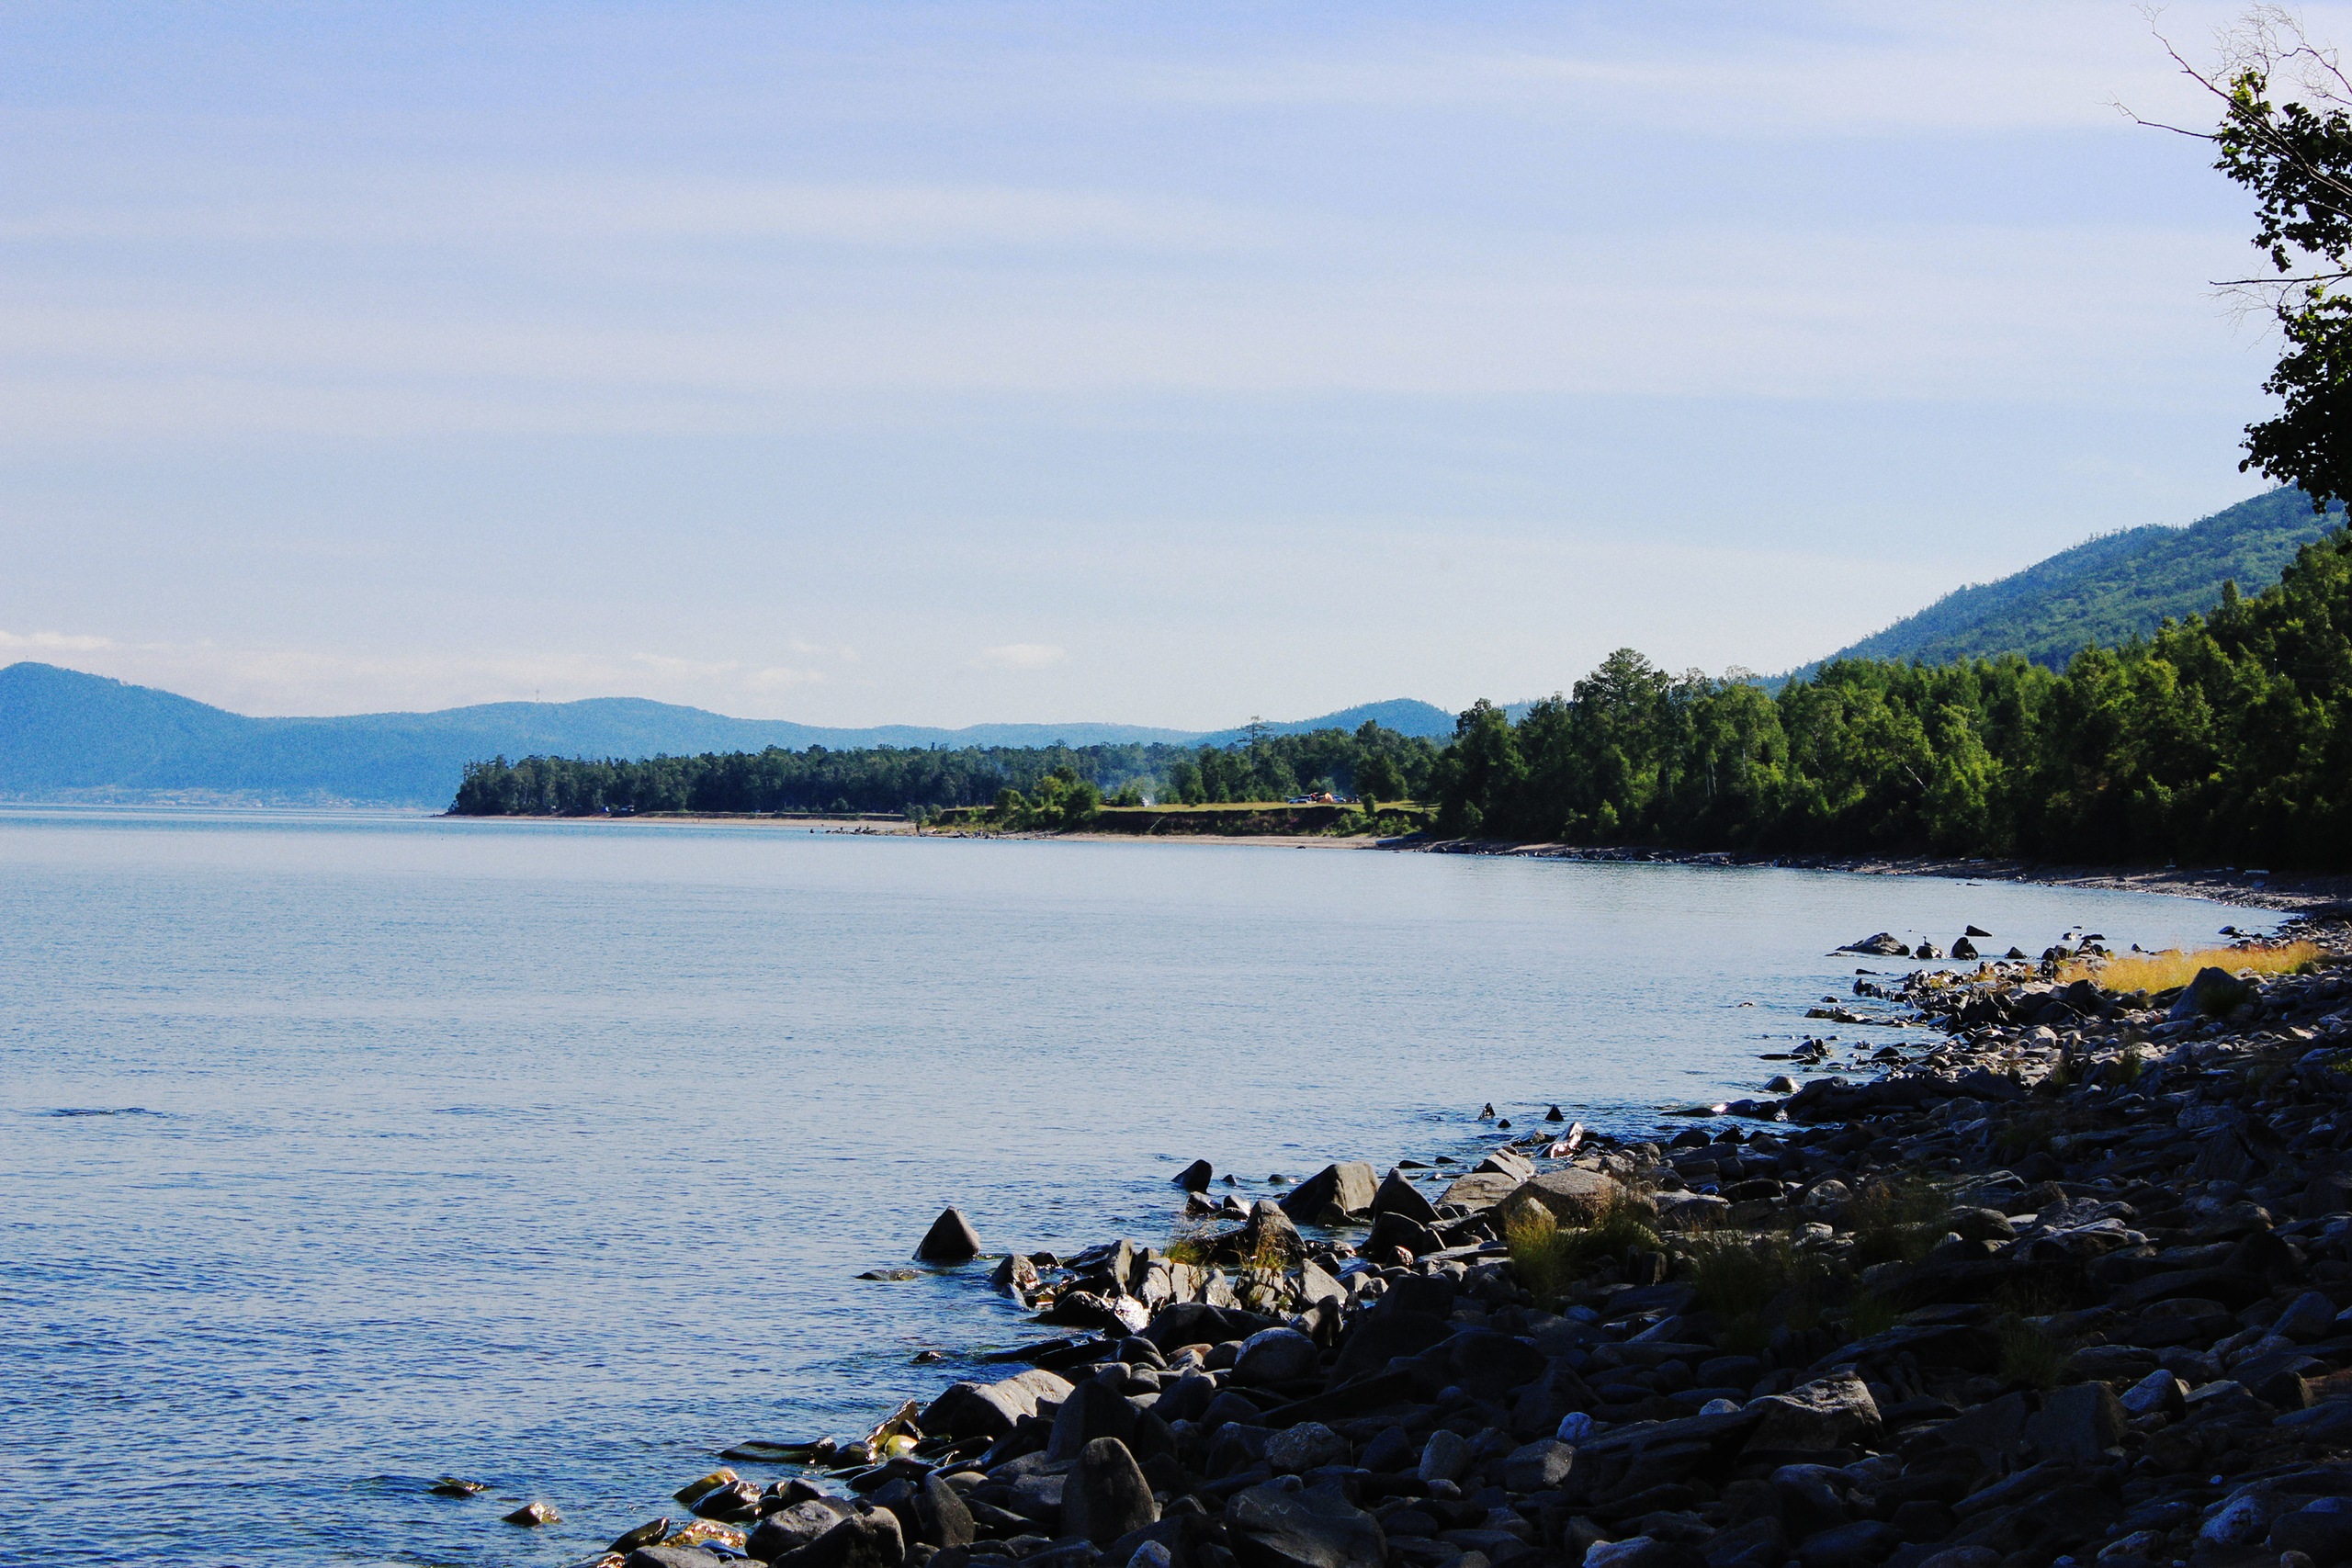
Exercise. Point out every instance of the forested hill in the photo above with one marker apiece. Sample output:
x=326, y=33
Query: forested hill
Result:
x=2107, y=590
x=66, y=735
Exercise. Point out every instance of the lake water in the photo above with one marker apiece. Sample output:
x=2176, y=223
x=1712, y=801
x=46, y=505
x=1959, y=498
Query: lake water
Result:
x=339, y=1152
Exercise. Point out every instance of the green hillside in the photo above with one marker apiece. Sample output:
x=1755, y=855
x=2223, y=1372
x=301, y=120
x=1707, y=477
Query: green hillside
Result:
x=2106, y=590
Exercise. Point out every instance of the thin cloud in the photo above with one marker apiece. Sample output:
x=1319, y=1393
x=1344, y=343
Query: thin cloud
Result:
x=1018, y=656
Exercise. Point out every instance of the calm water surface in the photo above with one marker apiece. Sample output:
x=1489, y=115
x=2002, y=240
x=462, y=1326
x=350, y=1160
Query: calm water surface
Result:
x=337, y=1153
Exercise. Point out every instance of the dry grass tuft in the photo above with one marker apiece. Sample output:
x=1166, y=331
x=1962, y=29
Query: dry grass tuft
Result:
x=1547, y=1258
x=2163, y=971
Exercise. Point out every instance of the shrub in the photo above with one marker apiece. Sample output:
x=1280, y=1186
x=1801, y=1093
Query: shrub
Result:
x=2028, y=1355
x=1547, y=1258
x=1896, y=1220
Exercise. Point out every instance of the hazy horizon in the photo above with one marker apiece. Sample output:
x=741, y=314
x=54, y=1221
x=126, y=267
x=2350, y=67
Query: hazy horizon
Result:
x=985, y=364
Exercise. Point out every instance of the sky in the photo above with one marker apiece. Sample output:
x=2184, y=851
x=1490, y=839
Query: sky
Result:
x=943, y=364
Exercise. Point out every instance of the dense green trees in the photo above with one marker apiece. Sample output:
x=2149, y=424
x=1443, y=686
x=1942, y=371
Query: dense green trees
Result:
x=1044, y=780
x=2224, y=739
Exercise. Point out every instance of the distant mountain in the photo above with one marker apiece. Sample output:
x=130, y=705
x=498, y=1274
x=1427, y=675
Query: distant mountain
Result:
x=2108, y=588
x=66, y=735
x=1403, y=714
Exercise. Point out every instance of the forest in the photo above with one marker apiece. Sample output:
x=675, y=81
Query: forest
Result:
x=1370, y=760
x=2222, y=739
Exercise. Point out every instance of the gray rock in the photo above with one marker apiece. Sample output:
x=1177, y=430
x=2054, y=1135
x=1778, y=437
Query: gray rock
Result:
x=645, y=1534
x=1398, y=1195
x=1314, y=1285
x=2213, y=993
x=2321, y=1530
x=1093, y=1410
x=1107, y=1496
x=989, y=1410
x=1883, y=945
x=2077, y=1424
x=1348, y=1186
x=2158, y=1390
x=1268, y=1235
x=1855, y=1545
x=1015, y=1276
x=1540, y=1466
x=1963, y=949
x=1274, y=1528
x=951, y=1239
x=1037, y=1496
x=1981, y=1225
x=529, y=1514
x=2307, y=1317
x=1398, y=1229
x=1964, y=1557
x=669, y=1557
x=1780, y=1083
x=861, y=1540
x=1819, y=1415
x=1277, y=1355
x=1310, y=1444
x=796, y=1527
x=940, y=1515
x=1574, y=1197
x=1445, y=1457
x=1195, y=1176
x=1645, y=1552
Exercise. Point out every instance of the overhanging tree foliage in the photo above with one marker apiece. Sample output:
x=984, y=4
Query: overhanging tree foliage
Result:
x=2293, y=150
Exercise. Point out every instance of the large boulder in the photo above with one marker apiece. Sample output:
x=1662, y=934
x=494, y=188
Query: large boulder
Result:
x=1885, y=944
x=1481, y=1189
x=1348, y=1187
x=1266, y=1239
x=937, y=1514
x=1274, y=1528
x=862, y=1541
x=1277, y=1355
x=1539, y=1466
x=790, y=1529
x=1399, y=1230
x=1197, y=1323
x=1095, y=1409
x=1819, y=1415
x=1106, y=1496
x=2211, y=993
x=1194, y=1177
x=1307, y=1446
x=2078, y=1423
x=1398, y=1195
x=1574, y=1196
x=1380, y=1336
x=989, y=1410
x=951, y=1239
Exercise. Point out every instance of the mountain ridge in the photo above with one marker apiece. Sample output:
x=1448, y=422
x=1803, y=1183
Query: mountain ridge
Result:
x=2106, y=590
x=66, y=734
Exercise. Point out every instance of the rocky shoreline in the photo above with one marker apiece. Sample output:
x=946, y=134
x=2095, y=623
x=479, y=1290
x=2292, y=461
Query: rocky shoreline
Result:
x=2312, y=893
x=2071, y=1283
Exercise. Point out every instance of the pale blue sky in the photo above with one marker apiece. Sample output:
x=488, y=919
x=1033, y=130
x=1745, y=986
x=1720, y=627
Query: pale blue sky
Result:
x=951, y=363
